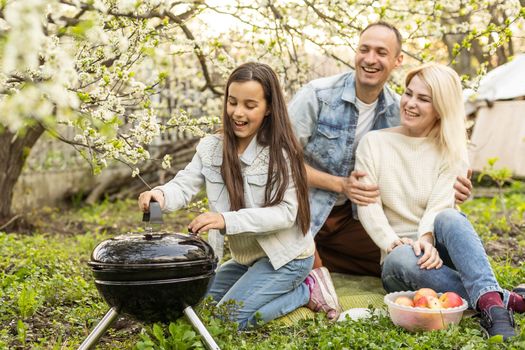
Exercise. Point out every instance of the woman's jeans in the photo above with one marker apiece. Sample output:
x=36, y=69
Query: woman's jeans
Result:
x=262, y=293
x=466, y=269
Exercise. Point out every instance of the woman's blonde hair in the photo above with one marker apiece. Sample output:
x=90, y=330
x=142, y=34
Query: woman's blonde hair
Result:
x=447, y=98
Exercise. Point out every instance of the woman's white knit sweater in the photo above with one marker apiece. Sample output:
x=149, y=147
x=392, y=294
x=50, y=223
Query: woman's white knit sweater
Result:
x=415, y=184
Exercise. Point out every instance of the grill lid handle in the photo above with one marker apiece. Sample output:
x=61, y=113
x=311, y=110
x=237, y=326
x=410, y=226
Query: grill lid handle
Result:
x=154, y=215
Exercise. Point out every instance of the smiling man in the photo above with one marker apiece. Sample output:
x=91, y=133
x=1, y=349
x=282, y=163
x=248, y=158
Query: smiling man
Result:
x=329, y=117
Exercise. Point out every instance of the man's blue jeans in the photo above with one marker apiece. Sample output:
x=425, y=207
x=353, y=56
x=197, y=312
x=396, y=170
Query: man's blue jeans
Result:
x=466, y=269
x=260, y=290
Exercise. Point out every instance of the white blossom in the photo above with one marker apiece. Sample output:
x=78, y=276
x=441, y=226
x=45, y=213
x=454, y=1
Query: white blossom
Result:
x=166, y=161
x=120, y=81
x=25, y=21
x=126, y=5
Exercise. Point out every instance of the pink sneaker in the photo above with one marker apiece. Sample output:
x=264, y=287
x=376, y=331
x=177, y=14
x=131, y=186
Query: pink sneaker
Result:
x=322, y=293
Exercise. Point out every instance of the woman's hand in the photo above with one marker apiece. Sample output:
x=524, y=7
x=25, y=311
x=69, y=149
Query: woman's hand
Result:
x=399, y=242
x=147, y=196
x=430, y=258
x=206, y=222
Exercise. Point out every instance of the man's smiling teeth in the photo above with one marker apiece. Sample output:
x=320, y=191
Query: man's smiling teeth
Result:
x=370, y=70
x=239, y=123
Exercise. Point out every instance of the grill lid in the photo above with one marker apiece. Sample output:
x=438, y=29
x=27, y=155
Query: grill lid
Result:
x=152, y=249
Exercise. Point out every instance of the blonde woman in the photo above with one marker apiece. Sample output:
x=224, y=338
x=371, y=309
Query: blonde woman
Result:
x=424, y=241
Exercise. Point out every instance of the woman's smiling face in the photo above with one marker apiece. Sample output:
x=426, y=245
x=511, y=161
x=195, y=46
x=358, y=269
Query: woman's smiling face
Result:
x=418, y=115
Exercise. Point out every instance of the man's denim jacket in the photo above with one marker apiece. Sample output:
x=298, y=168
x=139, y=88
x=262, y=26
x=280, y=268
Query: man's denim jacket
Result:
x=274, y=227
x=324, y=118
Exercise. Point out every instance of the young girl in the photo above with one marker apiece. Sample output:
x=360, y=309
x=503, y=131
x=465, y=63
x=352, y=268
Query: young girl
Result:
x=424, y=241
x=256, y=187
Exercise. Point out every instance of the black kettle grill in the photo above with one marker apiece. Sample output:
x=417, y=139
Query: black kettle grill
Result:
x=152, y=276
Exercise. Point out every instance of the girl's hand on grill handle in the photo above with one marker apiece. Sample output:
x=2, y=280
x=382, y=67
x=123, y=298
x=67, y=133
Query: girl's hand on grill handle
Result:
x=146, y=197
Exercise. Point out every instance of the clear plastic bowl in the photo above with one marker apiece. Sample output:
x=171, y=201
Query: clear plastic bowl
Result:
x=419, y=318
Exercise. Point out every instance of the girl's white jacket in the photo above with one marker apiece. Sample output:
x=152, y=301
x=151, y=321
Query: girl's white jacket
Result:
x=274, y=227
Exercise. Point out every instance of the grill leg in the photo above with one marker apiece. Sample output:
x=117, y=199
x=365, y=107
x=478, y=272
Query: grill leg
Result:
x=196, y=322
x=99, y=329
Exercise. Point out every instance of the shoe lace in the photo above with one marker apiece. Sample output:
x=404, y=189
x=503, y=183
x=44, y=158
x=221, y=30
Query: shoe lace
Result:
x=487, y=321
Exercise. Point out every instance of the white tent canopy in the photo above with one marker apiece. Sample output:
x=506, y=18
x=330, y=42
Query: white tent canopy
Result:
x=502, y=83
x=499, y=129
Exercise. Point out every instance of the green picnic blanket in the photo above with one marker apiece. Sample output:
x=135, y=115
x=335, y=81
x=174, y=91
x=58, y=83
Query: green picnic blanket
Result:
x=353, y=291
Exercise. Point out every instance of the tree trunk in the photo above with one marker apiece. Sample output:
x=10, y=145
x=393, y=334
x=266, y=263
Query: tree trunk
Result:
x=14, y=149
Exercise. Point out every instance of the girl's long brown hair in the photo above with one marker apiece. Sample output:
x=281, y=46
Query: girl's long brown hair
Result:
x=275, y=132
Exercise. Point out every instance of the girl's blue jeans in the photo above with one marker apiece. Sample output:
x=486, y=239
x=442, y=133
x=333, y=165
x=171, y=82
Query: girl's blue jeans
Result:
x=466, y=269
x=261, y=292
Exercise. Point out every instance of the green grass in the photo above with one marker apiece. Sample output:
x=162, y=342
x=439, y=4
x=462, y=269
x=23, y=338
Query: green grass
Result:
x=48, y=299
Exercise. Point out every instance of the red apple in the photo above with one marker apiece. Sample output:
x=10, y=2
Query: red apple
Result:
x=434, y=303
x=406, y=301
x=422, y=301
x=424, y=292
x=450, y=299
